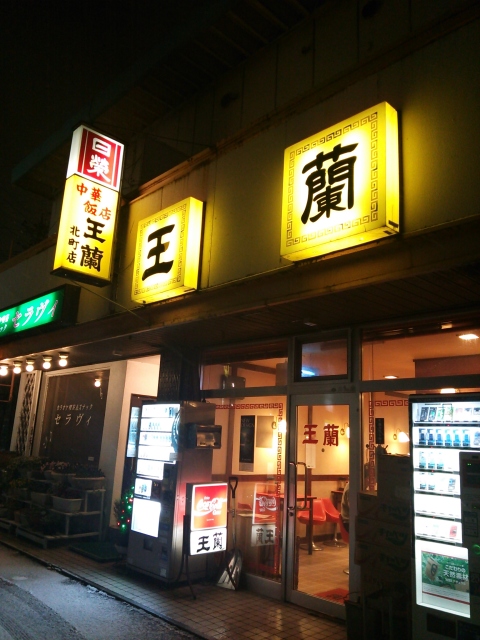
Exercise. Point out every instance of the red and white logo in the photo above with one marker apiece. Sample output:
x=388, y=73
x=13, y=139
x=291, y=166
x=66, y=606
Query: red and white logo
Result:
x=96, y=157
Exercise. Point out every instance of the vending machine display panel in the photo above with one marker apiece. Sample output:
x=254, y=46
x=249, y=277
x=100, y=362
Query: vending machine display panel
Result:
x=443, y=429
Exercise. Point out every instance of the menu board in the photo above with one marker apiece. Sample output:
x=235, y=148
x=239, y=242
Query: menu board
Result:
x=157, y=437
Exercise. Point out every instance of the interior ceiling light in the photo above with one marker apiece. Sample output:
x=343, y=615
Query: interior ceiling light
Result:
x=63, y=357
x=47, y=362
x=30, y=365
x=98, y=382
x=448, y=390
x=390, y=377
x=3, y=369
x=17, y=367
x=468, y=336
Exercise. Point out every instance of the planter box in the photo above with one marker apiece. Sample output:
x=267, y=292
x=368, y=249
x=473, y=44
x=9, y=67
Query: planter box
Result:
x=62, y=477
x=20, y=494
x=39, y=498
x=88, y=483
x=67, y=505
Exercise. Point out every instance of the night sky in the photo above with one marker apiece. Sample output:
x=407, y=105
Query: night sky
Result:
x=56, y=54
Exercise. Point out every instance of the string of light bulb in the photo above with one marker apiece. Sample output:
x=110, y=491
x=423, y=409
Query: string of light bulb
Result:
x=29, y=364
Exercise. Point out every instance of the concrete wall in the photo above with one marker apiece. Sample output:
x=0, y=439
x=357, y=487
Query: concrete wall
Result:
x=328, y=69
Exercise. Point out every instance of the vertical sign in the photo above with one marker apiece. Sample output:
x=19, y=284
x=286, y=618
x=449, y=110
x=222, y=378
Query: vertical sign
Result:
x=87, y=224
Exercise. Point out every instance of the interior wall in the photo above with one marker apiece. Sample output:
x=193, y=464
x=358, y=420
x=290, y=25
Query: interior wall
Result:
x=141, y=378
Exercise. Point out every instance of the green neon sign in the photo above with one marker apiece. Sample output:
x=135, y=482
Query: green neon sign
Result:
x=37, y=312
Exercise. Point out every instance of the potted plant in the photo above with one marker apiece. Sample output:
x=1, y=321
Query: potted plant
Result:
x=18, y=489
x=58, y=470
x=66, y=499
x=122, y=510
x=88, y=477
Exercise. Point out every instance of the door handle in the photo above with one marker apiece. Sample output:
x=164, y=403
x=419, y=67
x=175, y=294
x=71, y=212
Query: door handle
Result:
x=304, y=506
x=292, y=509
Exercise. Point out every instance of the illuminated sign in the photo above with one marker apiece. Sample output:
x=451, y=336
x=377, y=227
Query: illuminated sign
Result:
x=341, y=186
x=46, y=309
x=89, y=210
x=209, y=506
x=208, y=518
x=167, y=254
x=96, y=157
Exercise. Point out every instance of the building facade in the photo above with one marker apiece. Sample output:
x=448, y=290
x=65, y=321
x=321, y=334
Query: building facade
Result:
x=332, y=325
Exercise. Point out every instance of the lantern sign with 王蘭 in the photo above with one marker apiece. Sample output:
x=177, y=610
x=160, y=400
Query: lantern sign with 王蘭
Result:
x=86, y=233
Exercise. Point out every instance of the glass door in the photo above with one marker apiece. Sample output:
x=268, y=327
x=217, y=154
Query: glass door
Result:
x=318, y=474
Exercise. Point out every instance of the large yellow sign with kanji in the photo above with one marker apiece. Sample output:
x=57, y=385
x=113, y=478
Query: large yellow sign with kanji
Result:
x=167, y=254
x=85, y=236
x=341, y=186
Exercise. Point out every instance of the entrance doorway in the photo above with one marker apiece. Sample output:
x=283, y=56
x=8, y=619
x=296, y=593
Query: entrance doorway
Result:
x=319, y=468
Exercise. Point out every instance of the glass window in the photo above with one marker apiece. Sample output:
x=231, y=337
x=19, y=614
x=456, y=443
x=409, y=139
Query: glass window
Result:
x=251, y=366
x=253, y=451
x=323, y=358
x=416, y=352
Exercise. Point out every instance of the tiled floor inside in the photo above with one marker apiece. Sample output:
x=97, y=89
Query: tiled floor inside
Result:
x=215, y=614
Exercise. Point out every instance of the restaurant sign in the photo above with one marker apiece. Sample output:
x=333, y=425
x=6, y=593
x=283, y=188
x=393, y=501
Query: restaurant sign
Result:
x=88, y=218
x=167, y=254
x=341, y=186
x=51, y=308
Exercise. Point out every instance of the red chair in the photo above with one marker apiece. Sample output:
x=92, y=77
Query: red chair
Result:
x=244, y=506
x=333, y=515
x=318, y=517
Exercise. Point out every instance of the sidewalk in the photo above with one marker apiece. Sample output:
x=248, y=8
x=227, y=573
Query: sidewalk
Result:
x=215, y=614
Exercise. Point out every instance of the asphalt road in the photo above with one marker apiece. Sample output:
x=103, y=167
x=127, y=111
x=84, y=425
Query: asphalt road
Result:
x=38, y=603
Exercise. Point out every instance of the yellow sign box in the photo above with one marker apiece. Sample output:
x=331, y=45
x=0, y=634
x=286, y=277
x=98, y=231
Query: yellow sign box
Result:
x=167, y=254
x=86, y=232
x=341, y=186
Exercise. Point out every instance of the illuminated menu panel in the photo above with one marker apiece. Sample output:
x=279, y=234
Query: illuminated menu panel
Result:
x=157, y=437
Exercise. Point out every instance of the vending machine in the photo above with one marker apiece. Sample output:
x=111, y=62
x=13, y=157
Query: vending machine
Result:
x=175, y=447
x=445, y=447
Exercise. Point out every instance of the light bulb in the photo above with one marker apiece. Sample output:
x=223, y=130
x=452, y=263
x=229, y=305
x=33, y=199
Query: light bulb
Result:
x=63, y=357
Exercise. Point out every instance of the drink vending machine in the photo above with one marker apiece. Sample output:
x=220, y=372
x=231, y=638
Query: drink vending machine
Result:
x=175, y=447
x=445, y=448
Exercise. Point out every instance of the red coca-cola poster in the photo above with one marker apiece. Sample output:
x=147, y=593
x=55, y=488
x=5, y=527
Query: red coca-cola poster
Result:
x=209, y=506
x=266, y=506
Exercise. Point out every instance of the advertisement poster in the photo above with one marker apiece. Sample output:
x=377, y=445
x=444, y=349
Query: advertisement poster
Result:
x=267, y=503
x=72, y=426
x=444, y=577
x=209, y=506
